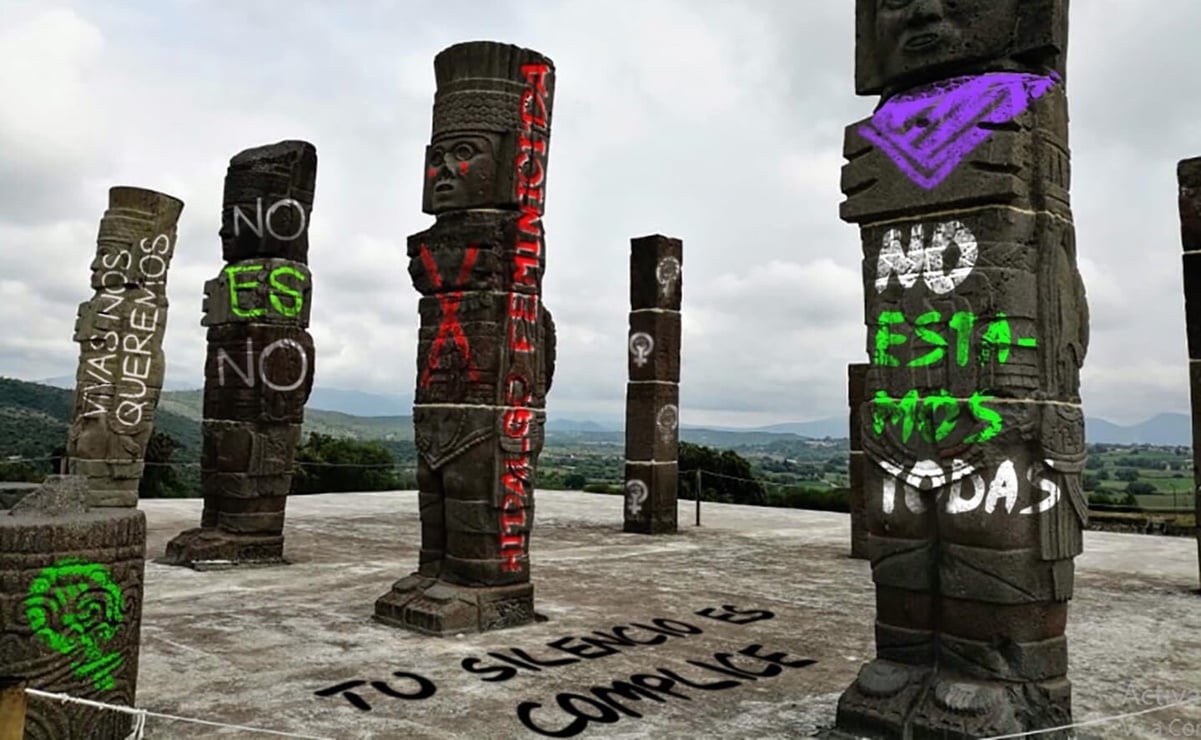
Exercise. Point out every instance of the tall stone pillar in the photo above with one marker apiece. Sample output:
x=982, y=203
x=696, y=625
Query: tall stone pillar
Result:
x=856, y=384
x=260, y=364
x=120, y=336
x=1188, y=174
x=653, y=392
x=485, y=353
x=977, y=328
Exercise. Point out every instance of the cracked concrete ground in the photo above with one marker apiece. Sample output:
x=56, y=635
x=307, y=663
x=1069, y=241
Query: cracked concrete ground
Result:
x=251, y=646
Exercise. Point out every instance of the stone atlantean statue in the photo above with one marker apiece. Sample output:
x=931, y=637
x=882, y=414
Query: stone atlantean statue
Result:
x=856, y=385
x=485, y=351
x=977, y=325
x=259, y=370
x=653, y=392
x=1188, y=174
x=120, y=334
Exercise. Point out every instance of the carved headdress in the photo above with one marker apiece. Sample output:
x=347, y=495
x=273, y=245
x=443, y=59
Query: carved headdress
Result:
x=481, y=108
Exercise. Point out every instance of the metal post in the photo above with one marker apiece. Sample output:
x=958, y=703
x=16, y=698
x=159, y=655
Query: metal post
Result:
x=12, y=708
x=698, y=497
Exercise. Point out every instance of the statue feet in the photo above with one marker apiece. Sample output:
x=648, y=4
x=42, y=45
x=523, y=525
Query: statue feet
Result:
x=959, y=708
x=877, y=705
x=436, y=607
x=214, y=549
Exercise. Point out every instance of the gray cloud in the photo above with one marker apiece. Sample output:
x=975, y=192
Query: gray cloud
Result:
x=719, y=123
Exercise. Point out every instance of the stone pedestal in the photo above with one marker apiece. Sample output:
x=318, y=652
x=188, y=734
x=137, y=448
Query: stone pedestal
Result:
x=71, y=581
x=435, y=607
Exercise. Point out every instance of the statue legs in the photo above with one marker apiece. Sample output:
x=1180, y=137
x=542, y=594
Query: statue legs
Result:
x=970, y=616
x=463, y=582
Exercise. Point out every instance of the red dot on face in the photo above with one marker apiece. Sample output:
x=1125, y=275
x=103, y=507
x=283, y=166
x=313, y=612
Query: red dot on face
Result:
x=431, y=172
x=462, y=168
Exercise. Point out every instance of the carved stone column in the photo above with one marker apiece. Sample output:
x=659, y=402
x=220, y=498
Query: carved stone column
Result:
x=653, y=392
x=261, y=360
x=120, y=334
x=485, y=354
x=856, y=385
x=1188, y=174
x=977, y=328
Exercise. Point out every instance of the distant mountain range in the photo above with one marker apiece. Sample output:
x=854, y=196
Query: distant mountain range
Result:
x=357, y=413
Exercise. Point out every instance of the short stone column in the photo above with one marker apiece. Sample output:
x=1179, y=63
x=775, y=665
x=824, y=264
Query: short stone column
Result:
x=71, y=605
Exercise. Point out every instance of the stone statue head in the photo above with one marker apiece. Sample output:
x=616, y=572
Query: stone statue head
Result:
x=479, y=124
x=902, y=43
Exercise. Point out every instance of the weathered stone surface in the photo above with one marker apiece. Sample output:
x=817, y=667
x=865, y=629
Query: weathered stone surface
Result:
x=258, y=373
x=1188, y=174
x=57, y=496
x=261, y=362
x=120, y=334
x=434, y=607
x=474, y=250
x=211, y=548
x=654, y=345
x=890, y=53
x=652, y=421
x=485, y=354
x=238, y=446
x=971, y=429
x=650, y=497
x=70, y=614
x=268, y=202
x=656, y=273
x=856, y=495
x=261, y=291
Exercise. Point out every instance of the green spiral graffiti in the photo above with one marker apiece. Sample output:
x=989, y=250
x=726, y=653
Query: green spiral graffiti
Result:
x=74, y=607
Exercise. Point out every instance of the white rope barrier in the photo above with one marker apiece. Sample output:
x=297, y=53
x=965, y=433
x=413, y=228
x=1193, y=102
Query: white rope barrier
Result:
x=1100, y=721
x=142, y=714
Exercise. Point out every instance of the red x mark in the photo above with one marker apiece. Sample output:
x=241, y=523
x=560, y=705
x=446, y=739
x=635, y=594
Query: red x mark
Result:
x=450, y=326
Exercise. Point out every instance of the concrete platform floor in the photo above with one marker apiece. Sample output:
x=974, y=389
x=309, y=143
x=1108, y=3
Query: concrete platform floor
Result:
x=252, y=646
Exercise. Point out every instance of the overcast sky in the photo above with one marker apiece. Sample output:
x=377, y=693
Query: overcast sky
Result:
x=717, y=122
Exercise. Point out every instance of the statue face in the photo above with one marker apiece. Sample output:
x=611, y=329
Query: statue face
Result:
x=915, y=37
x=460, y=172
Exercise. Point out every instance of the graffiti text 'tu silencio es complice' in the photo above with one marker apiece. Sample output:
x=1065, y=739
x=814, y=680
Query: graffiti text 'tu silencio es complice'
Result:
x=941, y=335
x=609, y=703
x=523, y=314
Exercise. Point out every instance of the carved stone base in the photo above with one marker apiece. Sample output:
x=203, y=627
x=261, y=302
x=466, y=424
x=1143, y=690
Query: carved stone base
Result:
x=877, y=704
x=213, y=549
x=435, y=607
x=70, y=612
x=892, y=700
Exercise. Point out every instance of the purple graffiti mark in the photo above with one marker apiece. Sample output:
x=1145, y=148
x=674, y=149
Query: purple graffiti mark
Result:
x=928, y=133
